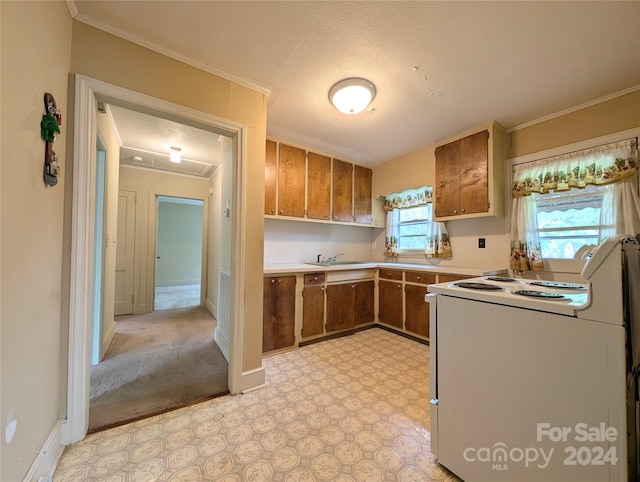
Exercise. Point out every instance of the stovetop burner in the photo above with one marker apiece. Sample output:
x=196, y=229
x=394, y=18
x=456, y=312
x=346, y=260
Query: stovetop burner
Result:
x=540, y=294
x=501, y=279
x=558, y=285
x=477, y=286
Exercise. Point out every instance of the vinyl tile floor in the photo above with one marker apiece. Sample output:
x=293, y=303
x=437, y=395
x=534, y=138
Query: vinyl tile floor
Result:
x=354, y=408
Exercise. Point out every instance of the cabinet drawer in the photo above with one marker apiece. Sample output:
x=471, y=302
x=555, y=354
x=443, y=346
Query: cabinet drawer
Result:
x=314, y=279
x=418, y=277
x=449, y=278
x=390, y=274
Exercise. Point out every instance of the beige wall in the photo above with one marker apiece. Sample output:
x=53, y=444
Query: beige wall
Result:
x=615, y=115
x=104, y=57
x=112, y=175
x=417, y=168
x=35, y=52
x=147, y=185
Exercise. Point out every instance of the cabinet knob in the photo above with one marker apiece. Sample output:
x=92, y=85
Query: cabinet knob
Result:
x=279, y=280
x=335, y=218
x=464, y=210
x=273, y=211
x=353, y=286
x=281, y=211
x=273, y=281
x=399, y=286
x=418, y=278
x=315, y=278
x=455, y=211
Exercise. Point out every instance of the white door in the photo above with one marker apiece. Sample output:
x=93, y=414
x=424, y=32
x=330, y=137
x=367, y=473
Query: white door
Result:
x=125, y=253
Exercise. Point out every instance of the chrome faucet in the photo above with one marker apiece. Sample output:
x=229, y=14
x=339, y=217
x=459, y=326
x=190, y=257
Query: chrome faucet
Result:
x=324, y=259
x=335, y=258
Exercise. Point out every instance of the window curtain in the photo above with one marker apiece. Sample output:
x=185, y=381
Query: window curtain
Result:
x=614, y=163
x=620, y=213
x=391, y=241
x=438, y=244
x=437, y=241
x=526, y=254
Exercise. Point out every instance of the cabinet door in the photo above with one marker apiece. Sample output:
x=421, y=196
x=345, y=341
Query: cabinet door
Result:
x=284, y=334
x=447, y=179
x=268, y=314
x=364, y=303
x=342, y=191
x=417, y=309
x=318, y=187
x=291, y=181
x=474, y=173
x=340, y=307
x=390, y=303
x=312, y=310
x=270, y=170
x=362, y=179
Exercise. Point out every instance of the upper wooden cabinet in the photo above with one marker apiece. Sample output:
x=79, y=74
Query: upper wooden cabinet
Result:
x=318, y=186
x=342, y=191
x=291, y=181
x=310, y=186
x=470, y=175
x=270, y=177
x=362, y=194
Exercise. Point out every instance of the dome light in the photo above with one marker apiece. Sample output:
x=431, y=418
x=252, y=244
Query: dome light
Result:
x=351, y=96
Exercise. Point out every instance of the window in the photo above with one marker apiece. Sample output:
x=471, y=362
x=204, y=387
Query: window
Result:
x=412, y=227
x=568, y=220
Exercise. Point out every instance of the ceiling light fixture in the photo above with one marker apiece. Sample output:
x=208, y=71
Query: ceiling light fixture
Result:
x=351, y=96
x=174, y=154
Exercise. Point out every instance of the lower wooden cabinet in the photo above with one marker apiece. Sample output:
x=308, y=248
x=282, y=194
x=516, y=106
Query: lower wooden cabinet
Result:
x=417, y=310
x=312, y=310
x=390, y=303
x=365, y=302
x=350, y=304
x=279, y=313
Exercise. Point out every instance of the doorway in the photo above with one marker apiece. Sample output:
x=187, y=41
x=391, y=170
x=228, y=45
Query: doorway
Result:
x=88, y=93
x=178, y=273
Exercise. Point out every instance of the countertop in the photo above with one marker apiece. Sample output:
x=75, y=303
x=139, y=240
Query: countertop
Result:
x=277, y=268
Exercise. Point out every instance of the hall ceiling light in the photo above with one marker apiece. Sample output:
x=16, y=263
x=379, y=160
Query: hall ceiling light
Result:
x=351, y=96
x=174, y=154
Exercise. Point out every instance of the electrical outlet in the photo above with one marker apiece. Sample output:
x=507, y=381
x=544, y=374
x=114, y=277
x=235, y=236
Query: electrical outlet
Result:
x=373, y=245
x=481, y=243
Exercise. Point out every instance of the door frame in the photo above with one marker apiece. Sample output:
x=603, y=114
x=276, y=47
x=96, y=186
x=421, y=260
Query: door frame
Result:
x=88, y=92
x=203, y=244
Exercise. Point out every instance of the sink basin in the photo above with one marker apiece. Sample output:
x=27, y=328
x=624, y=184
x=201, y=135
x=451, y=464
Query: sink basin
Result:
x=335, y=263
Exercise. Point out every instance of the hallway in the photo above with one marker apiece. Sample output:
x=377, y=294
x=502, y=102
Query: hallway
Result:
x=156, y=362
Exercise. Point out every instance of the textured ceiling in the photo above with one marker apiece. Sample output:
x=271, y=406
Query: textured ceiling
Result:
x=439, y=67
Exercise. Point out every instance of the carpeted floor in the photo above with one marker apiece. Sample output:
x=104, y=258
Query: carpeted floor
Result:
x=156, y=362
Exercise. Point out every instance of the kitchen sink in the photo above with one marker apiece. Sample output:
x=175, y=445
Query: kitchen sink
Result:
x=335, y=263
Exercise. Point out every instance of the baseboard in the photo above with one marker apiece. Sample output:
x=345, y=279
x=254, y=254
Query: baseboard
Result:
x=164, y=284
x=104, y=346
x=252, y=380
x=222, y=342
x=45, y=463
x=213, y=309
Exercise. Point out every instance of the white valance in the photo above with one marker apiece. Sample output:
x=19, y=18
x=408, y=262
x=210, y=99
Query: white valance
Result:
x=598, y=165
x=408, y=198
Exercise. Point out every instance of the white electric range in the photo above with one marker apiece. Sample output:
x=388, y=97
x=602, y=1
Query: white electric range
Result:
x=531, y=381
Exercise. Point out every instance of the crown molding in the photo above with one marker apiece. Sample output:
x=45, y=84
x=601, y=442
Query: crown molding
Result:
x=80, y=17
x=575, y=108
